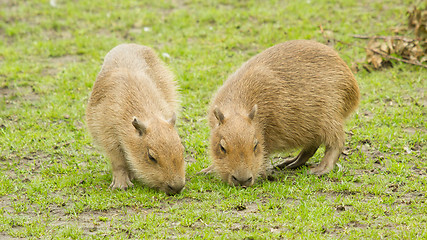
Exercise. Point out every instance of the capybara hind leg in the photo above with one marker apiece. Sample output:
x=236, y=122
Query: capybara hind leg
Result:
x=121, y=175
x=305, y=154
x=328, y=162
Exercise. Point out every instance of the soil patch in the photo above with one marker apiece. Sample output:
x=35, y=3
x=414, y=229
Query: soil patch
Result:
x=56, y=64
x=12, y=96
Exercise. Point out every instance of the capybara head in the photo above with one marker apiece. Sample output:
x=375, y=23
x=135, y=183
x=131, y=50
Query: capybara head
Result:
x=156, y=154
x=237, y=147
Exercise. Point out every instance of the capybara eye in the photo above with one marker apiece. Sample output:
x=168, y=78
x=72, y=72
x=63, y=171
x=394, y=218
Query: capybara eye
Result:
x=256, y=145
x=222, y=149
x=151, y=158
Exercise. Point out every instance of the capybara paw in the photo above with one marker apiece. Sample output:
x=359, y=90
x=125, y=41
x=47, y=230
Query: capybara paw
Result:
x=121, y=182
x=285, y=164
x=207, y=170
x=291, y=163
x=320, y=170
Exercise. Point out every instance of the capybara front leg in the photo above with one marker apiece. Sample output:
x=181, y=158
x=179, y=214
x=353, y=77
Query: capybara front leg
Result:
x=121, y=174
x=328, y=162
x=305, y=154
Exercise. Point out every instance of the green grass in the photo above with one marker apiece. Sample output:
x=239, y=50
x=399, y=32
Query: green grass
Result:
x=54, y=183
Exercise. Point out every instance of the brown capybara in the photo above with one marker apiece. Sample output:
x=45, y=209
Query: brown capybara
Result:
x=293, y=95
x=131, y=115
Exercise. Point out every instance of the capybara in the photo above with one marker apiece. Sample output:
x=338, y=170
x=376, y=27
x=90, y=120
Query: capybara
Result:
x=293, y=95
x=131, y=115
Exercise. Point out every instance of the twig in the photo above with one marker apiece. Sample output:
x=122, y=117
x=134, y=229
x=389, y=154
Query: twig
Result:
x=398, y=59
x=385, y=37
x=416, y=63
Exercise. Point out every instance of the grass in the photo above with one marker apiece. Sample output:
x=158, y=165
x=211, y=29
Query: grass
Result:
x=54, y=183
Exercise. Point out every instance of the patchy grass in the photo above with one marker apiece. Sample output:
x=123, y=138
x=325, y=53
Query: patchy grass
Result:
x=54, y=184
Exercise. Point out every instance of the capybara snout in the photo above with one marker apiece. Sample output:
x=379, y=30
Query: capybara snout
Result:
x=245, y=147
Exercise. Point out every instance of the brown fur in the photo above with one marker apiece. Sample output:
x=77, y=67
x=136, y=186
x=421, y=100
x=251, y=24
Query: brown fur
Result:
x=299, y=93
x=131, y=115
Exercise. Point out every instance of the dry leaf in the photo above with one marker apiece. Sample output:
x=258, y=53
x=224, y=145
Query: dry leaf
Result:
x=381, y=49
x=417, y=20
x=384, y=48
x=376, y=60
x=390, y=46
x=399, y=29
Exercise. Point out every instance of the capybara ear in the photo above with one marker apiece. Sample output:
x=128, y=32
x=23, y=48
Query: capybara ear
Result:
x=139, y=126
x=253, y=112
x=219, y=115
x=172, y=120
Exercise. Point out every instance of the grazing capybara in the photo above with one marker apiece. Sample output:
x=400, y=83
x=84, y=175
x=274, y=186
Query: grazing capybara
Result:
x=293, y=95
x=131, y=115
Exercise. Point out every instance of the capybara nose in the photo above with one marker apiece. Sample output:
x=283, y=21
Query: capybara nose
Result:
x=173, y=189
x=244, y=182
